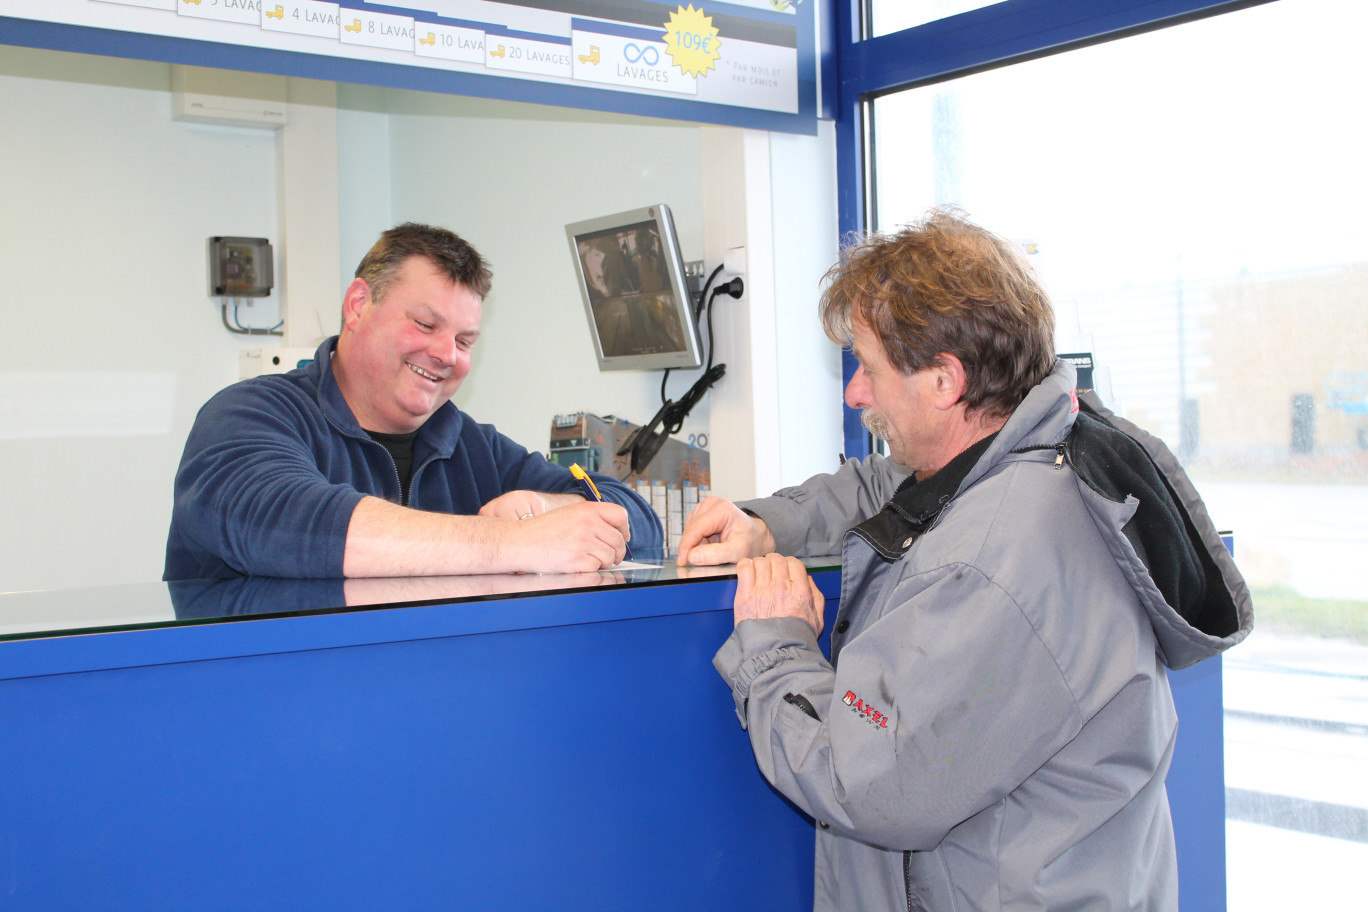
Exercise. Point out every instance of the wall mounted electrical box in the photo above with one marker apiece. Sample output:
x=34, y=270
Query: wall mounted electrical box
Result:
x=240, y=267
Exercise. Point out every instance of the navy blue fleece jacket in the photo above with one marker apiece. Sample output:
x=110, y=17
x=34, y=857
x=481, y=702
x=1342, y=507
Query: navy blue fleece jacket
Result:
x=274, y=467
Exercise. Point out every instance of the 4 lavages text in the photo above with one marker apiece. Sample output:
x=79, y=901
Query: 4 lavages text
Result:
x=316, y=16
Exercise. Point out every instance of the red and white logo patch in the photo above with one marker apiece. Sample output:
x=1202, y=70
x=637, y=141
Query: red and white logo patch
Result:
x=870, y=714
x=1073, y=400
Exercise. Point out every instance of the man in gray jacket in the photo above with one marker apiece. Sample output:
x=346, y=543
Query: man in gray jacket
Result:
x=995, y=724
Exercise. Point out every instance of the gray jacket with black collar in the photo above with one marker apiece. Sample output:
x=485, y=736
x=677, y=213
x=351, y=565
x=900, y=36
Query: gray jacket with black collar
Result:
x=995, y=725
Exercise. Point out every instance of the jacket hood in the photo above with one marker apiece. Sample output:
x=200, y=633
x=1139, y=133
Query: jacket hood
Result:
x=1197, y=600
x=1180, y=568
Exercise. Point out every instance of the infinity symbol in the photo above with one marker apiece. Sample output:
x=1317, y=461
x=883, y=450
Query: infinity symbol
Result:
x=649, y=55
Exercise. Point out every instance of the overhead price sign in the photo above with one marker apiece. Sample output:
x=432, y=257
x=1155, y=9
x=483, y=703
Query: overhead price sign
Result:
x=748, y=55
x=692, y=41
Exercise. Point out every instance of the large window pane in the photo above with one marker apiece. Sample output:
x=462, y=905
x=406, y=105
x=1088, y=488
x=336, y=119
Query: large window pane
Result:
x=1195, y=200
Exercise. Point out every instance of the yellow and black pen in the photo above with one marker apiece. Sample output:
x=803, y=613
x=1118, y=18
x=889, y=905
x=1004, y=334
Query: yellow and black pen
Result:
x=591, y=491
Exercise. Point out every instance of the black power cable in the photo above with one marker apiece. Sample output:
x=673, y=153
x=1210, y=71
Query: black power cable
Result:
x=696, y=309
x=647, y=440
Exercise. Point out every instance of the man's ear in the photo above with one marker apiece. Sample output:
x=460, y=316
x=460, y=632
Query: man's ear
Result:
x=354, y=300
x=948, y=372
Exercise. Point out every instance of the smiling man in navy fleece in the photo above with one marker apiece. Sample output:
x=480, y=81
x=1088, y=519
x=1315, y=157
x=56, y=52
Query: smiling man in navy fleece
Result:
x=358, y=465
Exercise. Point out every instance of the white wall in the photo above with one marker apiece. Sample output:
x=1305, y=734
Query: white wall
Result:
x=808, y=365
x=108, y=203
x=363, y=165
x=778, y=419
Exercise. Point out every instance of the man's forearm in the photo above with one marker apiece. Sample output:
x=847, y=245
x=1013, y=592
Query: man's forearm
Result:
x=384, y=539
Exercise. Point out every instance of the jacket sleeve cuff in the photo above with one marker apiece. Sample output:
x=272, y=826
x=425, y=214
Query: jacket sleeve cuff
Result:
x=755, y=647
x=784, y=520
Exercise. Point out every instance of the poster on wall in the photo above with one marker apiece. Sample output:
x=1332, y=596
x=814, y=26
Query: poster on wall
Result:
x=745, y=62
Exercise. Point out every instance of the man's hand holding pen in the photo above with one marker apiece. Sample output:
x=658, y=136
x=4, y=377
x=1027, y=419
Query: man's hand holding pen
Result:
x=591, y=491
x=566, y=532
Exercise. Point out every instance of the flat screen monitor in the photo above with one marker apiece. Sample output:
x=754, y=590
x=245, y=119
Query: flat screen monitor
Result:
x=635, y=291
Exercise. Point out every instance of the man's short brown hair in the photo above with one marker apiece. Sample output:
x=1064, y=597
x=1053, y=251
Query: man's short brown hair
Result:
x=448, y=252
x=944, y=284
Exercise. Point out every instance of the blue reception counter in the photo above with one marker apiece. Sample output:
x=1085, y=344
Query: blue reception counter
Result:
x=487, y=743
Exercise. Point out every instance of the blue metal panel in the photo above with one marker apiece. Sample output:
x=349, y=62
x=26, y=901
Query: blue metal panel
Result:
x=827, y=63
x=850, y=197
x=586, y=765
x=1196, y=786
x=857, y=439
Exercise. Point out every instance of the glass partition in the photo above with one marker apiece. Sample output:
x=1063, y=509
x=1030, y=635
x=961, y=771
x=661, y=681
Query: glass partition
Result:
x=142, y=606
x=114, y=338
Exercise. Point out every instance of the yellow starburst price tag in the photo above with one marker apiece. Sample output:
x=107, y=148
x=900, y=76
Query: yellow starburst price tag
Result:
x=691, y=41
